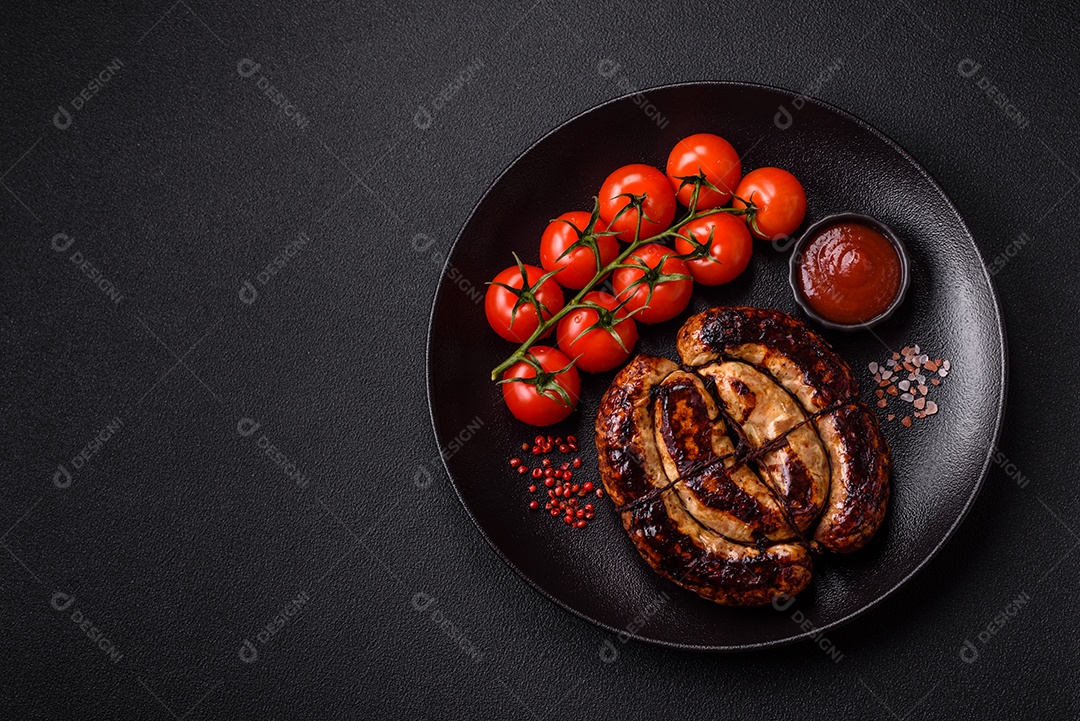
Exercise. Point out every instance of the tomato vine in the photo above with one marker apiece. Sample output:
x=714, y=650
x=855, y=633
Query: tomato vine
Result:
x=635, y=203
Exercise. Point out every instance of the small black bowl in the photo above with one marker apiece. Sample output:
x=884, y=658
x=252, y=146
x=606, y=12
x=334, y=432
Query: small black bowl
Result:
x=827, y=222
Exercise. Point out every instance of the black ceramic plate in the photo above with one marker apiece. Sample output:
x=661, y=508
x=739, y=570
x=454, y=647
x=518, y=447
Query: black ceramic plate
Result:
x=845, y=165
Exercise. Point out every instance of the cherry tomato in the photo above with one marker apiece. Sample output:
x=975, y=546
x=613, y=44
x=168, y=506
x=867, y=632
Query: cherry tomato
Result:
x=709, y=154
x=510, y=311
x=543, y=389
x=722, y=258
x=601, y=338
x=658, y=205
x=672, y=284
x=780, y=199
x=577, y=267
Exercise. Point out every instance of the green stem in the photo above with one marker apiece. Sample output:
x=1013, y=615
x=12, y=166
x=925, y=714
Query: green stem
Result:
x=575, y=302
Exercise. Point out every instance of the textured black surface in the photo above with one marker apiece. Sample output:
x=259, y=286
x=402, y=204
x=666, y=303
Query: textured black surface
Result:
x=180, y=537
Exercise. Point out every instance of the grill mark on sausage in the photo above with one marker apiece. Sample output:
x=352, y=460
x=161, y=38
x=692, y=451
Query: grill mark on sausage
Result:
x=743, y=448
x=811, y=371
x=730, y=501
x=755, y=577
x=623, y=424
x=797, y=479
x=801, y=492
x=823, y=370
x=745, y=458
x=860, y=511
x=814, y=415
x=685, y=424
x=621, y=456
x=715, y=487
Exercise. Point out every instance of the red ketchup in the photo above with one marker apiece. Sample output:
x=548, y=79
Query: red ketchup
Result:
x=849, y=273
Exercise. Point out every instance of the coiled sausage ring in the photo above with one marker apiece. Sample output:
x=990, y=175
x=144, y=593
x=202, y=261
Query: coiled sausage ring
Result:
x=731, y=470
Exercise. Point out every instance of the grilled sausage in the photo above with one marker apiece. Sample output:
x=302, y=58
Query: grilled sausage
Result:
x=679, y=463
x=860, y=478
x=629, y=461
x=685, y=551
x=798, y=469
x=798, y=358
x=722, y=493
x=810, y=370
x=675, y=543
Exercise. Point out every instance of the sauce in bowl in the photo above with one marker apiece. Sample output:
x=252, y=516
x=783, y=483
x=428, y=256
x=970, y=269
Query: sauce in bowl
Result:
x=849, y=273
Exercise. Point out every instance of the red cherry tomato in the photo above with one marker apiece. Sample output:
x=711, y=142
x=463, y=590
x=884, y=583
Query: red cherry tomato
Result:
x=599, y=339
x=510, y=311
x=780, y=199
x=658, y=206
x=542, y=390
x=722, y=258
x=577, y=267
x=709, y=154
x=672, y=285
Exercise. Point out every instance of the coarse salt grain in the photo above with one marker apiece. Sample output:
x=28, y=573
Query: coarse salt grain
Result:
x=905, y=375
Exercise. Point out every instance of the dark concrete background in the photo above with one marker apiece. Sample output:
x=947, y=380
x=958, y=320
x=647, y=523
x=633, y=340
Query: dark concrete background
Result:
x=174, y=538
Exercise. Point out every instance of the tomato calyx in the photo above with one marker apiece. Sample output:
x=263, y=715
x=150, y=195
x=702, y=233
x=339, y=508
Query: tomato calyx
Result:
x=545, y=381
x=650, y=276
x=634, y=202
x=526, y=293
x=751, y=214
x=701, y=251
x=586, y=238
x=606, y=320
x=698, y=181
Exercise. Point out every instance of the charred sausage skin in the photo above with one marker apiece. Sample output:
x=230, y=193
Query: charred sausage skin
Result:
x=688, y=486
x=672, y=541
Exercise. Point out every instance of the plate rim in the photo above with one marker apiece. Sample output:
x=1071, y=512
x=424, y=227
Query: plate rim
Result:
x=817, y=630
